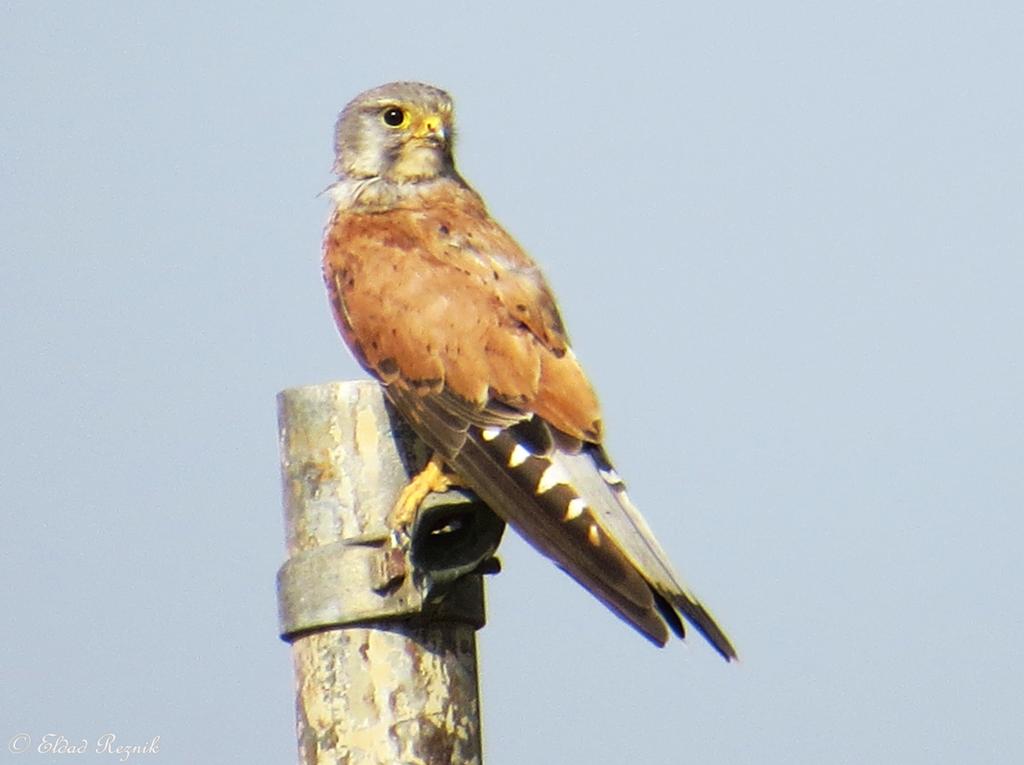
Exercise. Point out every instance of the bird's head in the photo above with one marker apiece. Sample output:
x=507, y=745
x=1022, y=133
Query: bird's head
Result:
x=400, y=132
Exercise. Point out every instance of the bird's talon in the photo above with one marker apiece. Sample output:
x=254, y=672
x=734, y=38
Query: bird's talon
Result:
x=434, y=478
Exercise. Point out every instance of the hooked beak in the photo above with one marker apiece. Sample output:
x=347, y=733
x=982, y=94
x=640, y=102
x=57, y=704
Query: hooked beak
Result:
x=432, y=130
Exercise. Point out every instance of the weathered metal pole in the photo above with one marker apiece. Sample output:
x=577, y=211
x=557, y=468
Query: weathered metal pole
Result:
x=382, y=628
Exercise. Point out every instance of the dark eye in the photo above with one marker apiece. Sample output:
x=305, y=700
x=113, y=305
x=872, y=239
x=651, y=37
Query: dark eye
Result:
x=393, y=116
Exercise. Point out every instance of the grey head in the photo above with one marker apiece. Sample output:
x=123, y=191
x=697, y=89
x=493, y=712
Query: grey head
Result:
x=401, y=132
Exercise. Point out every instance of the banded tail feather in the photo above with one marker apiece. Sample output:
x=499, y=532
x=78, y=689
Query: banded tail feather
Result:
x=564, y=497
x=559, y=525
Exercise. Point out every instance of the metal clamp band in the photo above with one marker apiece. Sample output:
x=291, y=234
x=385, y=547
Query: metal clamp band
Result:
x=431, y=576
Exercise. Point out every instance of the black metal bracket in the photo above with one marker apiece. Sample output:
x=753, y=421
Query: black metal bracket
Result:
x=430, y=575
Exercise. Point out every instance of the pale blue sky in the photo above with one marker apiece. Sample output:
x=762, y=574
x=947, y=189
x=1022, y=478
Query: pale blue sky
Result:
x=788, y=240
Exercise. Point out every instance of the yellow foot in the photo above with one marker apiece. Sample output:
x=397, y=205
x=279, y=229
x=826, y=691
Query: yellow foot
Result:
x=434, y=477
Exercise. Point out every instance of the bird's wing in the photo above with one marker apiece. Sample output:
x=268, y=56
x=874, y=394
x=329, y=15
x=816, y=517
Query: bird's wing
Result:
x=441, y=305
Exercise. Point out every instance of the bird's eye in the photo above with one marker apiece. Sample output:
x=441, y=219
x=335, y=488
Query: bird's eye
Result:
x=393, y=116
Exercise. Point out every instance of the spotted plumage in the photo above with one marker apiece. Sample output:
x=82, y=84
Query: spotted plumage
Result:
x=440, y=304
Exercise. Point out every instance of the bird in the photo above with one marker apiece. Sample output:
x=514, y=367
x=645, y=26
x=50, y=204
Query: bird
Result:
x=447, y=311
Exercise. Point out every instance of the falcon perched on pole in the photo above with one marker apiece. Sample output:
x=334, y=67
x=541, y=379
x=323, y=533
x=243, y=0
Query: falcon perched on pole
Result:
x=442, y=306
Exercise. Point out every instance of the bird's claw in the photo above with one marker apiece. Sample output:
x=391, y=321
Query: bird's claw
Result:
x=434, y=478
